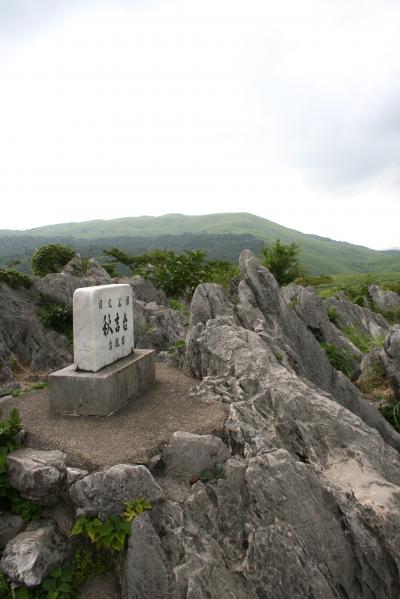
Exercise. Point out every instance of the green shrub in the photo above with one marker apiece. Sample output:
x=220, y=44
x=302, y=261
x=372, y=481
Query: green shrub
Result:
x=51, y=258
x=33, y=387
x=57, y=317
x=180, y=307
x=87, y=563
x=339, y=358
x=362, y=340
x=392, y=414
x=14, y=278
x=333, y=315
x=282, y=261
x=110, y=268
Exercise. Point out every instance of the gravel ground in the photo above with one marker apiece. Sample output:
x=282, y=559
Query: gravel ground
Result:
x=133, y=435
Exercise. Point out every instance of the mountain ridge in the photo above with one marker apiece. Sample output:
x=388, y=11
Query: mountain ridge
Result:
x=318, y=254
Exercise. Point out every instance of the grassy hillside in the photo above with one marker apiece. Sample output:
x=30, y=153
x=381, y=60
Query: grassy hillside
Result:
x=319, y=255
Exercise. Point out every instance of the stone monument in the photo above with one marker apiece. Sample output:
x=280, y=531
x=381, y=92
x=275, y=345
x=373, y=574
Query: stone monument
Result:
x=107, y=372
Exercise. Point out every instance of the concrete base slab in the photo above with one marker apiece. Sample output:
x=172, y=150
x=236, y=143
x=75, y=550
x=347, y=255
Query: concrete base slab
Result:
x=78, y=393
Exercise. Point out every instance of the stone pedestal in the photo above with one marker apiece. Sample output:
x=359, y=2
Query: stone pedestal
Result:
x=74, y=392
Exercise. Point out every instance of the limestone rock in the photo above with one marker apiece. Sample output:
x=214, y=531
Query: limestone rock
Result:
x=144, y=290
x=74, y=474
x=391, y=358
x=387, y=301
x=8, y=388
x=313, y=312
x=31, y=555
x=144, y=572
x=164, y=327
x=353, y=316
x=103, y=493
x=10, y=526
x=187, y=454
x=24, y=337
x=38, y=475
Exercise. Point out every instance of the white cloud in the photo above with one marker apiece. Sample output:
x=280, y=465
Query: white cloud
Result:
x=288, y=110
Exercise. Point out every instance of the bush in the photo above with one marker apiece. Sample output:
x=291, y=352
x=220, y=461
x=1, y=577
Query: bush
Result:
x=392, y=414
x=51, y=258
x=14, y=278
x=362, y=340
x=339, y=358
x=282, y=261
x=58, y=317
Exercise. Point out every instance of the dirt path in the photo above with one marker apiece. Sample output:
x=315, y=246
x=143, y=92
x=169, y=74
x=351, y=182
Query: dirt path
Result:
x=132, y=435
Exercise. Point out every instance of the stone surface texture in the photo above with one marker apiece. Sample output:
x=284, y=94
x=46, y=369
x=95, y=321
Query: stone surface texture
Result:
x=187, y=455
x=103, y=326
x=38, y=475
x=24, y=339
x=10, y=526
x=387, y=301
x=145, y=568
x=32, y=554
x=358, y=317
x=103, y=392
x=104, y=493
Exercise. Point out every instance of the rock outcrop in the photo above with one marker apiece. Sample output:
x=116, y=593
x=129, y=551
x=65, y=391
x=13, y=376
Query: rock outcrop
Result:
x=387, y=301
x=23, y=337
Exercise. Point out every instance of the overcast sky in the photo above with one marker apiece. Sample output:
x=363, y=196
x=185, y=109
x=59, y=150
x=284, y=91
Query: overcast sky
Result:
x=289, y=110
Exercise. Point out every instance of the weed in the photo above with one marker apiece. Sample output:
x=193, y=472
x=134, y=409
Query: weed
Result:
x=180, y=307
x=14, y=278
x=58, y=317
x=177, y=347
x=86, y=563
x=333, y=315
x=135, y=507
x=211, y=474
x=392, y=414
x=33, y=387
x=362, y=340
x=339, y=358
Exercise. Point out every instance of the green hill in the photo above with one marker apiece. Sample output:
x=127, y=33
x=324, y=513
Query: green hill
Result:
x=319, y=255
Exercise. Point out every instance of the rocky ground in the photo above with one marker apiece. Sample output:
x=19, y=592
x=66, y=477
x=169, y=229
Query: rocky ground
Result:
x=308, y=501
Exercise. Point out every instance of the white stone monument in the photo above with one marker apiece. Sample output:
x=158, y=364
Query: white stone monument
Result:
x=103, y=325
x=107, y=373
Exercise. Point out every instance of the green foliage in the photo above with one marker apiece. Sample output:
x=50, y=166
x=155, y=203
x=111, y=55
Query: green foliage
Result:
x=339, y=358
x=282, y=261
x=314, y=281
x=57, y=317
x=51, y=258
x=33, y=387
x=177, y=274
x=9, y=429
x=14, y=278
x=177, y=347
x=392, y=414
x=221, y=272
x=180, y=307
x=87, y=563
x=211, y=474
x=23, y=507
x=110, y=535
x=110, y=268
x=333, y=315
x=361, y=340
x=135, y=507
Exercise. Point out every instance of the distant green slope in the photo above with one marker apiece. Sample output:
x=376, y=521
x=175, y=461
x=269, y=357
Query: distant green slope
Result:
x=319, y=255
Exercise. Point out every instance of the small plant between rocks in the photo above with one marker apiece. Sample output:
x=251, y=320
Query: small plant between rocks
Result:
x=339, y=358
x=33, y=387
x=14, y=278
x=58, y=317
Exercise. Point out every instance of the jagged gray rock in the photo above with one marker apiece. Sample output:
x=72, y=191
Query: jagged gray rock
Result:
x=60, y=287
x=187, y=454
x=144, y=290
x=74, y=474
x=38, y=475
x=391, y=359
x=22, y=335
x=313, y=312
x=10, y=526
x=357, y=317
x=103, y=493
x=31, y=555
x=387, y=301
x=144, y=571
